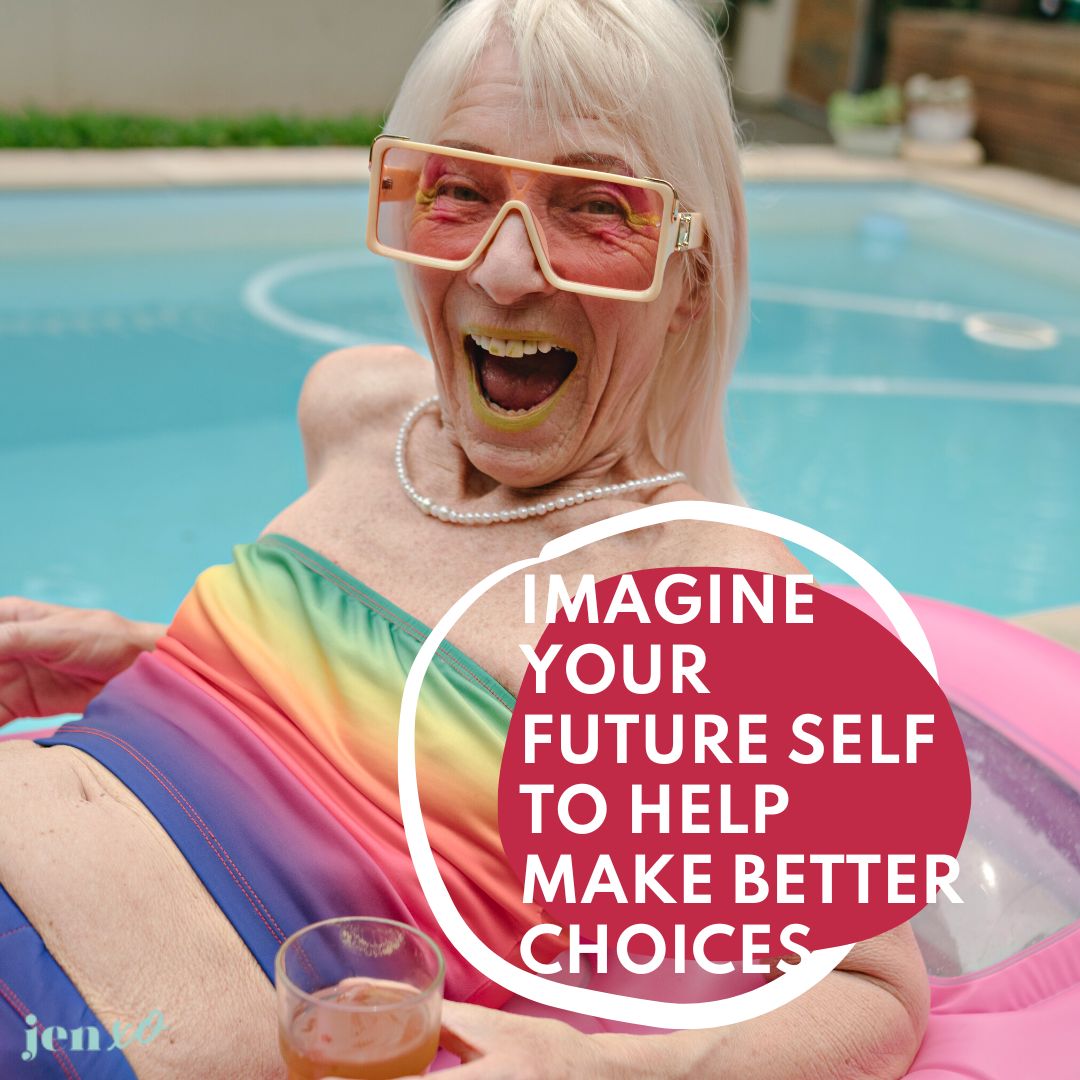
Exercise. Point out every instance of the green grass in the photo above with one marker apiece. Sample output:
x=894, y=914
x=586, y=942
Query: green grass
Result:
x=33, y=129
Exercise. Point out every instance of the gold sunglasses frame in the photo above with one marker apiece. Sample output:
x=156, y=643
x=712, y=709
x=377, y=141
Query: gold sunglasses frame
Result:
x=680, y=230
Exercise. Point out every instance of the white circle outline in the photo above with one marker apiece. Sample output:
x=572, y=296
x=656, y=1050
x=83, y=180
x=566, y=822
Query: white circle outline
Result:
x=632, y=1010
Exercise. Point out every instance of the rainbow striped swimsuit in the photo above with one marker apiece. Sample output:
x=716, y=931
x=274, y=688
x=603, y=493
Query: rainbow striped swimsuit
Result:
x=262, y=734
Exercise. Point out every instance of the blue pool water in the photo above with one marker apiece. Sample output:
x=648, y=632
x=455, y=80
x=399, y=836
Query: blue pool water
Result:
x=153, y=344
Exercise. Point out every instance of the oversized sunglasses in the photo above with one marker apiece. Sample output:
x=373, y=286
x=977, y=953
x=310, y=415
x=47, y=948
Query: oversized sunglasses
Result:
x=596, y=233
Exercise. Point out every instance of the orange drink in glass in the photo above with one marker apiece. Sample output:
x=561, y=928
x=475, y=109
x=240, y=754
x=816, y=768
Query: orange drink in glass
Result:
x=358, y=998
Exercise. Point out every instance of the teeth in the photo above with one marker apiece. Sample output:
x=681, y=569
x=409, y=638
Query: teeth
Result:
x=512, y=347
x=505, y=412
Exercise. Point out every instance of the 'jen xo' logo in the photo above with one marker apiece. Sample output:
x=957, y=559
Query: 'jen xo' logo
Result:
x=79, y=1039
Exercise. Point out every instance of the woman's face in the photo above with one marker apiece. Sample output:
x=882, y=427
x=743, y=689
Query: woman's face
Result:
x=578, y=408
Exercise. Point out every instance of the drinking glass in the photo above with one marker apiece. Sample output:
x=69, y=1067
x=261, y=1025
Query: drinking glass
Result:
x=359, y=998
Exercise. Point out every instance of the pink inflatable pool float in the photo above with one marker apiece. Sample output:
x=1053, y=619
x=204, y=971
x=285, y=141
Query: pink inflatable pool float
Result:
x=1005, y=967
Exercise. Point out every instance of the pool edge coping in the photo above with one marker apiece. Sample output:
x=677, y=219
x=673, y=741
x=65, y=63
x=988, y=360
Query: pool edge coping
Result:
x=37, y=170
x=1043, y=196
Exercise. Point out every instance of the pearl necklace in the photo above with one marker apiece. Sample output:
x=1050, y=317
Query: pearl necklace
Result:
x=496, y=517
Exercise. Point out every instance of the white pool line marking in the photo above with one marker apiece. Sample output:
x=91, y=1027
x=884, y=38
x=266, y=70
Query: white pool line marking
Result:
x=258, y=300
x=887, y=386
x=835, y=299
x=893, y=306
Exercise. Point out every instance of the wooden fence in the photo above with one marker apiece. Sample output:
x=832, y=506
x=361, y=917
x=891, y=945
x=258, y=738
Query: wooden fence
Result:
x=1026, y=77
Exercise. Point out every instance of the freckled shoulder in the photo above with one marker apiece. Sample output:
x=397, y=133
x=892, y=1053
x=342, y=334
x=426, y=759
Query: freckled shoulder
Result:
x=707, y=544
x=751, y=550
x=350, y=391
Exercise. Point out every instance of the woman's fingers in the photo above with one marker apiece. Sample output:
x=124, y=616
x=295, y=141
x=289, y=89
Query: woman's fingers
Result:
x=54, y=659
x=20, y=609
x=495, y=1045
x=54, y=638
x=469, y=1031
x=88, y=643
x=478, y=1070
x=488, y=1068
x=472, y=1031
x=32, y=629
x=29, y=690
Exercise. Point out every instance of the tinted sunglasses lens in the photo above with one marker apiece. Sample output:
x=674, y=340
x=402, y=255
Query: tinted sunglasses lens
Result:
x=602, y=231
x=595, y=231
x=435, y=205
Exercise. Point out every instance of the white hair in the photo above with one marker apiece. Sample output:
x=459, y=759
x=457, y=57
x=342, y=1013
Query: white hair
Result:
x=652, y=73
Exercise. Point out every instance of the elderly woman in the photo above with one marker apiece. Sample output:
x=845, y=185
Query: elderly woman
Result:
x=238, y=781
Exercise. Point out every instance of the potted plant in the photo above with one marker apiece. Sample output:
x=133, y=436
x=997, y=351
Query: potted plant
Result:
x=867, y=123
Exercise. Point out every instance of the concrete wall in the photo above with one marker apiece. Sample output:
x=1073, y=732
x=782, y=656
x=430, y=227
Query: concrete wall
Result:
x=190, y=57
x=763, y=50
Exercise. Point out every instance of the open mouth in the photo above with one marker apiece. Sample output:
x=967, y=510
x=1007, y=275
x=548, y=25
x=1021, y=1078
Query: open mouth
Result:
x=517, y=375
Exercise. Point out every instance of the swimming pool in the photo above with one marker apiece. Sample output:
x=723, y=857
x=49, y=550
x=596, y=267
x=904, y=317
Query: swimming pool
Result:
x=153, y=343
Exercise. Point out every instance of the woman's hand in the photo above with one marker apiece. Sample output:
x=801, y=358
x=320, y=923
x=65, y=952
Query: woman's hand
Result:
x=54, y=659
x=865, y=1019
x=495, y=1045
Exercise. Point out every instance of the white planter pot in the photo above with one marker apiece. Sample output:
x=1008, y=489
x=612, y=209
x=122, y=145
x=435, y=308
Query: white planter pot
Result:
x=940, y=123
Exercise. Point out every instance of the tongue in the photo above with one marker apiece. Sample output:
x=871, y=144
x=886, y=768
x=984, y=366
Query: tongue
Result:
x=524, y=382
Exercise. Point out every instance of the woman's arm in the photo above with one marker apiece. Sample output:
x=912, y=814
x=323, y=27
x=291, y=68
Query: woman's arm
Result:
x=865, y=1021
